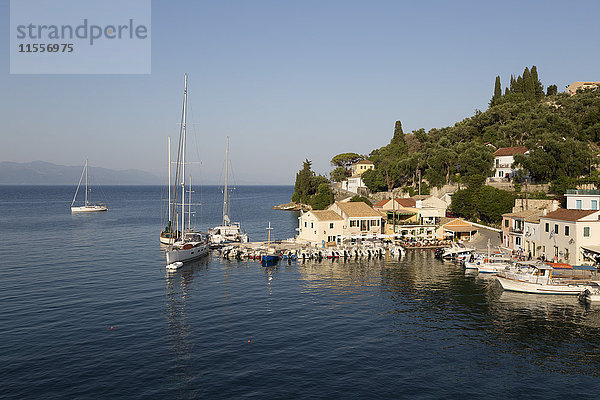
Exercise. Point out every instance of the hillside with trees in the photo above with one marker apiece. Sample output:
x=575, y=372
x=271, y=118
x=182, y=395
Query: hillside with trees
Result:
x=561, y=131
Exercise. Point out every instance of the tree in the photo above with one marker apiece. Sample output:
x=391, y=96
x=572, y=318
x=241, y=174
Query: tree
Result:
x=497, y=92
x=307, y=183
x=551, y=90
x=323, y=197
x=374, y=180
x=345, y=160
x=339, y=174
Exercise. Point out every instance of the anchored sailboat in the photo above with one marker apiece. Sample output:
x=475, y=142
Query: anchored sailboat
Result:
x=191, y=244
x=87, y=206
x=227, y=232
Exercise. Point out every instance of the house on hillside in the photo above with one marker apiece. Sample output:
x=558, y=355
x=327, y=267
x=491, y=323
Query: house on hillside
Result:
x=503, y=160
x=573, y=87
x=569, y=235
x=361, y=166
x=354, y=183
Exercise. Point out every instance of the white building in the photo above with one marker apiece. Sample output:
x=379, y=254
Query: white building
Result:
x=351, y=219
x=320, y=226
x=353, y=184
x=532, y=235
x=360, y=219
x=565, y=235
x=581, y=199
x=503, y=160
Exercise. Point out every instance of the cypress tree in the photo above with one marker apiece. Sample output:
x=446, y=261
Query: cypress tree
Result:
x=497, y=92
x=513, y=83
x=527, y=84
x=538, y=88
x=519, y=84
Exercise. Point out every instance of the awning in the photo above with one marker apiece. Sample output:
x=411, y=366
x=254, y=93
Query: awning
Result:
x=592, y=248
x=460, y=228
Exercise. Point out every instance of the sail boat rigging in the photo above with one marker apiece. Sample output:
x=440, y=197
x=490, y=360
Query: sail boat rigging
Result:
x=190, y=244
x=87, y=206
x=227, y=232
x=169, y=234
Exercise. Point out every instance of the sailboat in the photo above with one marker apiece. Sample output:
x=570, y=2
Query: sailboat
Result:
x=190, y=245
x=227, y=231
x=169, y=234
x=87, y=206
x=271, y=258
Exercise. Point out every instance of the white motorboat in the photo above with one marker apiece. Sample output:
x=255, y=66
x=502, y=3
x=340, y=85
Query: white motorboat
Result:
x=87, y=206
x=532, y=277
x=455, y=251
x=191, y=244
x=590, y=293
x=227, y=232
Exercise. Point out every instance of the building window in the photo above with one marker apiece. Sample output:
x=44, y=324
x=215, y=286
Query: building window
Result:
x=331, y=225
x=352, y=223
x=566, y=230
x=578, y=204
x=586, y=231
x=506, y=222
x=556, y=229
x=305, y=224
x=518, y=241
x=547, y=227
x=566, y=255
x=594, y=204
x=311, y=225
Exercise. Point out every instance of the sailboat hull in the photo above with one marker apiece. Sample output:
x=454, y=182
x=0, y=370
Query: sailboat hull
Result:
x=88, y=208
x=193, y=253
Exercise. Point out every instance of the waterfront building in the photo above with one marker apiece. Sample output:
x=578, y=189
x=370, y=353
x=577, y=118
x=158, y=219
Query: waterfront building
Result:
x=503, y=160
x=532, y=235
x=320, y=226
x=456, y=228
x=567, y=235
x=360, y=219
x=514, y=232
x=421, y=209
x=582, y=199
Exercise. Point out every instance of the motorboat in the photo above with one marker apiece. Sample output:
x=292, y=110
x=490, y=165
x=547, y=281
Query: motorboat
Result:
x=535, y=277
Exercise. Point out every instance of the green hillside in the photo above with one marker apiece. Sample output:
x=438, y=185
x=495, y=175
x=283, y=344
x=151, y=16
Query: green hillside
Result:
x=561, y=131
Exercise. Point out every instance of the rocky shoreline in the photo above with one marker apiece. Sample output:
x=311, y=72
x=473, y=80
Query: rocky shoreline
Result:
x=293, y=206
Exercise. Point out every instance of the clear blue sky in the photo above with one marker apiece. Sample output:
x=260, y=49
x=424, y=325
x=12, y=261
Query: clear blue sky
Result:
x=289, y=80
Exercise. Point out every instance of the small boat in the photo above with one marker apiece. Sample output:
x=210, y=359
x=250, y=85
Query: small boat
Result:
x=174, y=266
x=87, y=206
x=270, y=258
x=591, y=293
x=455, y=252
x=533, y=277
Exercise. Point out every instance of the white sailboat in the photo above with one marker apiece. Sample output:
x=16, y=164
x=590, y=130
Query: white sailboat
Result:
x=87, y=206
x=227, y=232
x=191, y=244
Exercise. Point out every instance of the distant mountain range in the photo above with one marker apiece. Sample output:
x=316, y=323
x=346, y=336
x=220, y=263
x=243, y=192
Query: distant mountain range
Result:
x=43, y=173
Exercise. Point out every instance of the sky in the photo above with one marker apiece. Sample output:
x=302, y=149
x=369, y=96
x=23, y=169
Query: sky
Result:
x=290, y=80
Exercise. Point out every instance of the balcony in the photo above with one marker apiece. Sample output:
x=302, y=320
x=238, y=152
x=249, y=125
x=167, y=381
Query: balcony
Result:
x=516, y=231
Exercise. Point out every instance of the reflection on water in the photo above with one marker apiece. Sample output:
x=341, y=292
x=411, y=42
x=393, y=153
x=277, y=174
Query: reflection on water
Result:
x=180, y=335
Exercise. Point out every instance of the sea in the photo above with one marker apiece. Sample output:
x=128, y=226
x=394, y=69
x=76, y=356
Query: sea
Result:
x=88, y=311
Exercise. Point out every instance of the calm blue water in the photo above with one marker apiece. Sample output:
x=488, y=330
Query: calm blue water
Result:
x=218, y=329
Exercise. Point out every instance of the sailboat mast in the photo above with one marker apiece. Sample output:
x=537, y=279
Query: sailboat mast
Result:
x=86, y=181
x=225, y=211
x=190, y=204
x=183, y=159
x=169, y=169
